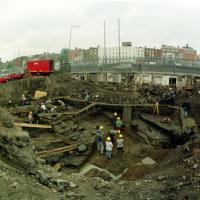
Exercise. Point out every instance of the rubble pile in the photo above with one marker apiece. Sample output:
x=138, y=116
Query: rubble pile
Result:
x=153, y=93
x=73, y=133
x=191, y=161
x=16, y=147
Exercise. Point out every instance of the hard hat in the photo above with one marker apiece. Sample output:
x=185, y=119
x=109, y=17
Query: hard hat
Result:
x=108, y=138
x=118, y=131
x=118, y=117
x=120, y=136
x=30, y=112
x=115, y=114
x=101, y=127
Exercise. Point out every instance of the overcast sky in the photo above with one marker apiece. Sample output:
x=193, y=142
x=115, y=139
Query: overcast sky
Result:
x=35, y=26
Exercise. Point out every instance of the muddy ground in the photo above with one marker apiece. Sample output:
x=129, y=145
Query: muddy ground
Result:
x=172, y=156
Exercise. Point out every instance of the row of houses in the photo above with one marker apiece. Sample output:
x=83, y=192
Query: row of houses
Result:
x=178, y=76
x=180, y=81
x=128, y=53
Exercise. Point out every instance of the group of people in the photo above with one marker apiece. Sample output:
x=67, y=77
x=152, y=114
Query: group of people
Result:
x=113, y=138
x=33, y=117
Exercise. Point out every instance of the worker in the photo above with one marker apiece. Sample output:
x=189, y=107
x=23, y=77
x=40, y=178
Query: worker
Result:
x=109, y=147
x=53, y=109
x=30, y=117
x=186, y=107
x=99, y=137
x=114, y=119
x=118, y=132
x=120, y=145
x=156, y=109
x=173, y=95
x=23, y=99
x=119, y=123
x=61, y=103
x=10, y=102
x=102, y=130
x=87, y=97
x=43, y=108
x=112, y=135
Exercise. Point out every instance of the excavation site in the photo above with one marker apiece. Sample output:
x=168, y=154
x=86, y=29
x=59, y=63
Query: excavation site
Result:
x=64, y=137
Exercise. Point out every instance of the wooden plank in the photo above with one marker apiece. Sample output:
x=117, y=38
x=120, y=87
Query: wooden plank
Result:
x=115, y=105
x=33, y=125
x=85, y=108
x=43, y=154
x=58, y=149
x=55, y=113
x=53, y=139
x=69, y=113
x=34, y=140
x=104, y=105
x=57, y=166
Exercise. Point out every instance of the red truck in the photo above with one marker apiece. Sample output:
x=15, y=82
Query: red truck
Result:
x=40, y=66
x=15, y=76
x=4, y=79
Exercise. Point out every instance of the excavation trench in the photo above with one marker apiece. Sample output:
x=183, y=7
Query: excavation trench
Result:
x=71, y=147
x=88, y=161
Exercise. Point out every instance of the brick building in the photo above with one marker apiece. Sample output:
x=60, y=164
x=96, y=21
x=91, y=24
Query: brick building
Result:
x=76, y=56
x=171, y=53
x=152, y=55
x=91, y=55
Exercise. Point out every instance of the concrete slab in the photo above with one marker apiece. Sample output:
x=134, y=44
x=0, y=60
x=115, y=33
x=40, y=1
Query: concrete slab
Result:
x=148, y=161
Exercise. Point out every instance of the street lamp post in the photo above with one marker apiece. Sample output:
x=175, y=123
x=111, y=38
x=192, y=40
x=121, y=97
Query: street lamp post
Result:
x=70, y=37
x=70, y=34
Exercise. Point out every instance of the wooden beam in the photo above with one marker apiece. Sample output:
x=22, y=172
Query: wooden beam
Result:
x=102, y=105
x=55, y=113
x=86, y=108
x=53, y=139
x=29, y=125
x=57, y=166
x=43, y=154
x=115, y=105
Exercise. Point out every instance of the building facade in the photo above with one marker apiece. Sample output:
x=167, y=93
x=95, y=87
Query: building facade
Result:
x=123, y=54
x=188, y=53
x=91, y=55
x=152, y=55
x=76, y=56
x=171, y=54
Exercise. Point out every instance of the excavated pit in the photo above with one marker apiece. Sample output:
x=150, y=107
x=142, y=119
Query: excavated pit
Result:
x=146, y=136
x=147, y=132
x=150, y=140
